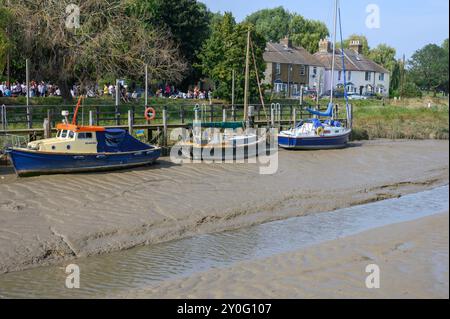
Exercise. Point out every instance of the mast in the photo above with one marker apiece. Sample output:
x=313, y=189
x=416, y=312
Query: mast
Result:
x=334, y=49
x=247, y=75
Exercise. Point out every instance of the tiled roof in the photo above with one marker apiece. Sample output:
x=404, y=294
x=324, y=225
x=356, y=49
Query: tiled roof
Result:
x=278, y=53
x=353, y=61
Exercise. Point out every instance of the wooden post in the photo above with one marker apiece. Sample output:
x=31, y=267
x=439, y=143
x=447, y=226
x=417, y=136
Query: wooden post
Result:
x=232, y=96
x=212, y=113
x=117, y=115
x=91, y=118
x=29, y=116
x=224, y=114
x=3, y=117
x=182, y=114
x=165, y=127
x=294, y=117
x=46, y=127
x=97, y=111
x=272, y=116
x=130, y=122
x=196, y=114
x=301, y=95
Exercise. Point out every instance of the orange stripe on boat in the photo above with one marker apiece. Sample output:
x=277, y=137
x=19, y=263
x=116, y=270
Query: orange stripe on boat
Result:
x=77, y=128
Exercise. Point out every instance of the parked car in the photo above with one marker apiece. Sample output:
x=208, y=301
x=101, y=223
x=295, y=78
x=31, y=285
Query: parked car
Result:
x=336, y=94
x=370, y=95
x=355, y=96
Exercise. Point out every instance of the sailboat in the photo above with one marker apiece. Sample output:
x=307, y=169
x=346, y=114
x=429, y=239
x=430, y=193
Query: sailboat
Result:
x=315, y=133
x=222, y=141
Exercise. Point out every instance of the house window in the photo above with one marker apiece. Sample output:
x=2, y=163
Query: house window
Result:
x=315, y=70
x=381, y=77
x=302, y=70
x=279, y=87
x=278, y=68
x=368, y=76
x=349, y=75
x=339, y=75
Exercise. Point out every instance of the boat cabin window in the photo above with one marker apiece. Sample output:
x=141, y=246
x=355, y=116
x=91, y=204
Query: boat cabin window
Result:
x=85, y=135
x=58, y=134
x=71, y=134
x=63, y=134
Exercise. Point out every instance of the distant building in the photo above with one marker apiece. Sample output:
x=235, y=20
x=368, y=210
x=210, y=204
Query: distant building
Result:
x=290, y=67
x=362, y=74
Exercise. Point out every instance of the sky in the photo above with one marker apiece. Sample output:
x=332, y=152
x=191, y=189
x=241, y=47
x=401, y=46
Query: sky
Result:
x=406, y=25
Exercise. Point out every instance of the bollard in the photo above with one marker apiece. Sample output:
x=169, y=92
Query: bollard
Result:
x=224, y=115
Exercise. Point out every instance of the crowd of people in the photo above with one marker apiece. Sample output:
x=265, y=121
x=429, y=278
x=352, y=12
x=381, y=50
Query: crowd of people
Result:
x=171, y=92
x=127, y=93
x=37, y=89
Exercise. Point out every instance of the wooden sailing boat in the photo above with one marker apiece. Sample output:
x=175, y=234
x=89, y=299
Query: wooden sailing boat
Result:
x=227, y=140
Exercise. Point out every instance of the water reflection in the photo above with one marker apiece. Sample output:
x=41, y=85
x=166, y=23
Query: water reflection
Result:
x=144, y=266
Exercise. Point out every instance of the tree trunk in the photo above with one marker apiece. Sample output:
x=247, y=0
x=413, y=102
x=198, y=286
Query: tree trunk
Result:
x=65, y=91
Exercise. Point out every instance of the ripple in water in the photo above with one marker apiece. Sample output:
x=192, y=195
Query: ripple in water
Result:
x=145, y=266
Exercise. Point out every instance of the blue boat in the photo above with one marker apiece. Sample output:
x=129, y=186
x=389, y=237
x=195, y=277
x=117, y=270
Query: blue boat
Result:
x=314, y=134
x=82, y=149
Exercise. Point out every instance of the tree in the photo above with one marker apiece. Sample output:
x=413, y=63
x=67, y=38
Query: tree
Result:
x=396, y=75
x=307, y=33
x=187, y=21
x=429, y=67
x=272, y=23
x=362, y=40
x=384, y=55
x=275, y=24
x=109, y=41
x=5, y=43
x=225, y=51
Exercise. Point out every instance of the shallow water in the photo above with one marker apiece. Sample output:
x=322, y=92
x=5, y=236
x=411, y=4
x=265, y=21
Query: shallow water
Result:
x=110, y=274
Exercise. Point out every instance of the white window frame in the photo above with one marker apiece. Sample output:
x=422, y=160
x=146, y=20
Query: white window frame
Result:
x=278, y=68
x=302, y=69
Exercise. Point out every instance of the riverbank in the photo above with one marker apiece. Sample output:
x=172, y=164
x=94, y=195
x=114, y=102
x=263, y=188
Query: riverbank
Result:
x=412, y=258
x=48, y=219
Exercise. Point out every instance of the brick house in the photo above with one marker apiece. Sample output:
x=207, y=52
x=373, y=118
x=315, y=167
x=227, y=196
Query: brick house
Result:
x=290, y=67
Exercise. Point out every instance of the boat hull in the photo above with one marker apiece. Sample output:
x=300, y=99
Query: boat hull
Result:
x=225, y=153
x=314, y=142
x=28, y=162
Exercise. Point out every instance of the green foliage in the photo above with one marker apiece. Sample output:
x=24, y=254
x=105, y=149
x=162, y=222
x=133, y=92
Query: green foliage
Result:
x=429, y=68
x=225, y=51
x=277, y=23
x=384, y=55
x=307, y=33
x=395, y=78
x=272, y=23
x=410, y=89
x=362, y=39
x=5, y=43
x=187, y=20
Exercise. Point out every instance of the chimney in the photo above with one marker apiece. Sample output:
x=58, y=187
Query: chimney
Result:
x=286, y=42
x=356, y=46
x=324, y=46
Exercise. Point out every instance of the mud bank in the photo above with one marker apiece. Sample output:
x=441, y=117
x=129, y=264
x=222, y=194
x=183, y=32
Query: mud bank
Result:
x=412, y=258
x=48, y=219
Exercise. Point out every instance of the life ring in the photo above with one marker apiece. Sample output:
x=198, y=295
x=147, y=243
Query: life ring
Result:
x=320, y=131
x=152, y=116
